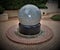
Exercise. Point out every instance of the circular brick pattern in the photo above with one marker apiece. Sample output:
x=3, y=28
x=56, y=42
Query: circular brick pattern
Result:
x=46, y=35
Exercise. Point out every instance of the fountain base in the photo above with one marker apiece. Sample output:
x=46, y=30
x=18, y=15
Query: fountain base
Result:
x=29, y=29
x=15, y=36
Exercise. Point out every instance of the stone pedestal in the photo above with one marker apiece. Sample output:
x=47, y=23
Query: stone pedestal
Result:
x=29, y=29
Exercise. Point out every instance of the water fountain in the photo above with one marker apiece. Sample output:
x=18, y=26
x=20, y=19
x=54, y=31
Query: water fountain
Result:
x=29, y=30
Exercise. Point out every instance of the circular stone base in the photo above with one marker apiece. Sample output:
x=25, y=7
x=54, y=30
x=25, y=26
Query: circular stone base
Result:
x=46, y=35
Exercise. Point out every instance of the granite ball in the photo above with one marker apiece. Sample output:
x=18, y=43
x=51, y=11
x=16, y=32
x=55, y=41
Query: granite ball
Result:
x=29, y=15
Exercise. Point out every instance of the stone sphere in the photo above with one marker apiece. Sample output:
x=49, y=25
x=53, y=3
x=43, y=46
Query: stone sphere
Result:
x=29, y=15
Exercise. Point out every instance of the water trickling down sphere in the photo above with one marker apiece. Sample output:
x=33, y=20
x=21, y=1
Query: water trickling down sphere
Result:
x=29, y=15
